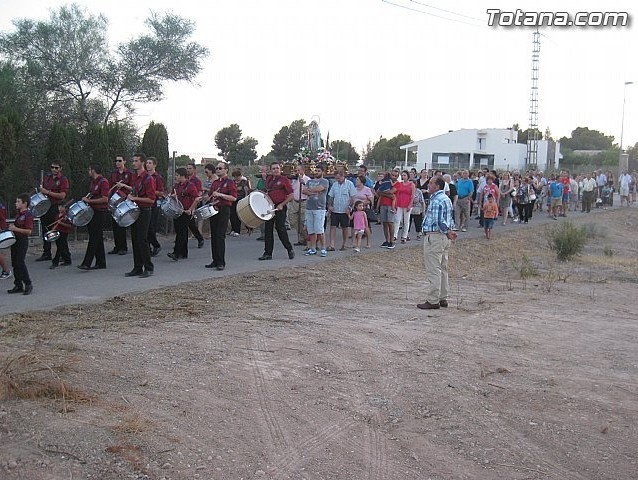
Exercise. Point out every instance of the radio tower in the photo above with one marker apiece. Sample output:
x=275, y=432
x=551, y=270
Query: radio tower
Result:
x=532, y=133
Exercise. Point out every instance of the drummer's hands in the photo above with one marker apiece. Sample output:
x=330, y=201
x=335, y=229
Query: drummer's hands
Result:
x=279, y=206
x=12, y=228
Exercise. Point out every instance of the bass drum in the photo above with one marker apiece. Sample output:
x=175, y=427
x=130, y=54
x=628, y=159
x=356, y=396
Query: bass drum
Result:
x=171, y=207
x=7, y=238
x=39, y=204
x=80, y=214
x=202, y=213
x=126, y=213
x=255, y=209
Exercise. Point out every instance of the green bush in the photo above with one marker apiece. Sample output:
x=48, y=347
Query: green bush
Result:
x=567, y=240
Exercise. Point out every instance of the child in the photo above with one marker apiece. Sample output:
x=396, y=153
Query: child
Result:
x=6, y=271
x=490, y=214
x=64, y=226
x=22, y=228
x=606, y=196
x=384, y=186
x=360, y=222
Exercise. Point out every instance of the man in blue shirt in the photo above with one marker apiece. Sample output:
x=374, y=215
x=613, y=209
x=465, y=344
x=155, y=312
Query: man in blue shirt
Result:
x=464, y=191
x=556, y=196
x=437, y=238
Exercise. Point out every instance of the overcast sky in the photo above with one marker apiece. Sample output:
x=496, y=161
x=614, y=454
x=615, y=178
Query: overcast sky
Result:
x=367, y=68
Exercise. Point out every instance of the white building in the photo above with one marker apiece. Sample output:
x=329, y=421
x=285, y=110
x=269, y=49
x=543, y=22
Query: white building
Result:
x=494, y=148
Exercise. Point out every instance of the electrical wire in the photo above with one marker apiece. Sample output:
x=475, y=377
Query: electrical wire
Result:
x=433, y=14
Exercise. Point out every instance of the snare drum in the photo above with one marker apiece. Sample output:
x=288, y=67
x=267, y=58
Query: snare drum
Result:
x=172, y=207
x=126, y=213
x=80, y=213
x=202, y=213
x=39, y=204
x=115, y=199
x=7, y=238
x=255, y=209
x=51, y=236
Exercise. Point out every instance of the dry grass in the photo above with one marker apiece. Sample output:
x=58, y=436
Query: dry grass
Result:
x=32, y=376
x=133, y=424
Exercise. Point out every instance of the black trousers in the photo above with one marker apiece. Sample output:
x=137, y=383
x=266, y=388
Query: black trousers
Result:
x=139, y=241
x=18, y=253
x=95, y=248
x=192, y=225
x=62, y=249
x=152, y=227
x=235, y=222
x=218, y=225
x=119, y=236
x=181, y=235
x=524, y=211
x=588, y=198
x=278, y=222
x=47, y=219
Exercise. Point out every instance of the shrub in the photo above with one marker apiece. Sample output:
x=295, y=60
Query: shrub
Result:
x=608, y=252
x=526, y=268
x=567, y=240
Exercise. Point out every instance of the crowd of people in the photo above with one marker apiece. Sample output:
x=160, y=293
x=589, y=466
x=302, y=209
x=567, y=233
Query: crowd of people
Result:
x=314, y=206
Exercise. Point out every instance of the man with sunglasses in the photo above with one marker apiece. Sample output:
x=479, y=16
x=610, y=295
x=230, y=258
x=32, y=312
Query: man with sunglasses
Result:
x=56, y=187
x=122, y=175
x=222, y=194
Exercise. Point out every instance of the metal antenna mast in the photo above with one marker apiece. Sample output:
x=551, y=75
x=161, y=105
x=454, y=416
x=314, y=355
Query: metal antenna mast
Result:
x=532, y=133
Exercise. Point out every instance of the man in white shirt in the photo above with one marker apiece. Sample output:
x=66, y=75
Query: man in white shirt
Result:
x=589, y=187
x=297, y=208
x=625, y=182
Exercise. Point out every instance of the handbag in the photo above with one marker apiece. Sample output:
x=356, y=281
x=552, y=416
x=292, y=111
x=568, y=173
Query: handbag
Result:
x=372, y=215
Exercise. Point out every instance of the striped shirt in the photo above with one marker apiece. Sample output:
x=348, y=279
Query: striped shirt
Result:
x=438, y=217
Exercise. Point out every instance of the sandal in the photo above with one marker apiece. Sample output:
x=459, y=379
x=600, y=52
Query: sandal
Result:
x=330, y=249
x=342, y=249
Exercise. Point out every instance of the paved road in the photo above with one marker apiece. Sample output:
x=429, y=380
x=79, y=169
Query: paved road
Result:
x=69, y=285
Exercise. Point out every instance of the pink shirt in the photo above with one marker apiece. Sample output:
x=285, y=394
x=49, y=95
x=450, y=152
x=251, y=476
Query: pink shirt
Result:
x=359, y=219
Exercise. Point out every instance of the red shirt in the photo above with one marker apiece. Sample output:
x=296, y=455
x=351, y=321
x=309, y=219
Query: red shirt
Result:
x=278, y=188
x=56, y=183
x=144, y=186
x=99, y=187
x=565, y=182
x=65, y=226
x=126, y=177
x=403, y=194
x=225, y=186
x=160, y=186
x=197, y=182
x=23, y=220
x=186, y=193
x=3, y=217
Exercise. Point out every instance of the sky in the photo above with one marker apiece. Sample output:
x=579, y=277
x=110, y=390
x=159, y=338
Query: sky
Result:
x=371, y=68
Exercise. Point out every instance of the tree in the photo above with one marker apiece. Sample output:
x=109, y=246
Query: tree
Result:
x=290, y=140
x=67, y=61
x=585, y=139
x=227, y=141
x=155, y=144
x=246, y=151
x=387, y=152
x=344, y=151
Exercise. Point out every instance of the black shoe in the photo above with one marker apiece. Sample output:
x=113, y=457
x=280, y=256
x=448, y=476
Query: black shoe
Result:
x=122, y=252
x=155, y=251
x=133, y=273
x=97, y=267
x=211, y=265
x=291, y=254
x=265, y=257
x=428, y=306
x=53, y=266
x=443, y=303
x=260, y=239
x=65, y=264
x=28, y=289
x=115, y=251
x=200, y=243
x=43, y=258
x=16, y=289
x=146, y=274
x=84, y=267
x=172, y=256
x=221, y=267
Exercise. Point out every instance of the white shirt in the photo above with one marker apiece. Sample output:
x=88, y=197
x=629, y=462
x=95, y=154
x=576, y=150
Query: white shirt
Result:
x=296, y=186
x=625, y=180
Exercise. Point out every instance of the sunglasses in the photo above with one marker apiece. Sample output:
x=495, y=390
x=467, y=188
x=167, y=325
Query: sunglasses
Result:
x=220, y=168
x=54, y=167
